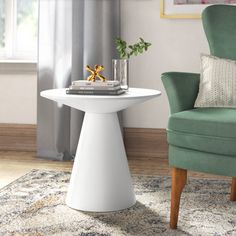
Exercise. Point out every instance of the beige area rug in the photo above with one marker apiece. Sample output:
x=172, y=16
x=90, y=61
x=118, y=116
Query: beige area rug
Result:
x=35, y=205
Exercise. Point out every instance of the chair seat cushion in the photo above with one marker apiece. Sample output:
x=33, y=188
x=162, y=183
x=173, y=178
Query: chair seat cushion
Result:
x=210, y=130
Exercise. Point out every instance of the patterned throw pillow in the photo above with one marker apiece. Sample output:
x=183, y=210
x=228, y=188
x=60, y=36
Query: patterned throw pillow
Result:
x=217, y=86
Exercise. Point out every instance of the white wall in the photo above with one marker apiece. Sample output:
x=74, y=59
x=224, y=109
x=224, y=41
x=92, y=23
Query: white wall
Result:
x=18, y=93
x=176, y=45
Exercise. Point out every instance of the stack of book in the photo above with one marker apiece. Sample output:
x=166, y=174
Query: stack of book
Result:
x=84, y=87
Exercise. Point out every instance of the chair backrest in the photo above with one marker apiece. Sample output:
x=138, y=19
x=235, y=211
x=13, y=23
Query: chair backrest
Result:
x=219, y=22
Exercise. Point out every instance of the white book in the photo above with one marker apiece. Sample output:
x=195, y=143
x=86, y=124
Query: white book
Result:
x=89, y=87
x=108, y=83
x=94, y=92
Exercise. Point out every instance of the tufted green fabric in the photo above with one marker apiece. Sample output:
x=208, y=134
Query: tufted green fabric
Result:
x=203, y=139
x=219, y=122
x=204, y=129
x=202, y=161
x=203, y=143
x=219, y=22
x=181, y=89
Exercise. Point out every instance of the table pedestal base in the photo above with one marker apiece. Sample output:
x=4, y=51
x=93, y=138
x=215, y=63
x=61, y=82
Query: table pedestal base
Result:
x=100, y=179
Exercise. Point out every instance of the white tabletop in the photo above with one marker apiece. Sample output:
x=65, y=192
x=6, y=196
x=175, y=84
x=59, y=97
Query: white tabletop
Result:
x=101, y=103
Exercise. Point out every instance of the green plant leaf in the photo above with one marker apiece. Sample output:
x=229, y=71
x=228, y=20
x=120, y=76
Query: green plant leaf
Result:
x=141, y=39
x=125, y=51
x=140, y=50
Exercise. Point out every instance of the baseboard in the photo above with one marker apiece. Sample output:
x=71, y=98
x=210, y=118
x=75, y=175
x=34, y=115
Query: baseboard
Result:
x=139, y=142
x=144, y=142
x=17, y=137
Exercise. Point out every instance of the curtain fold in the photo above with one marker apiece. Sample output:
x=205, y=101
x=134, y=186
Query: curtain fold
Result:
x=72, y=34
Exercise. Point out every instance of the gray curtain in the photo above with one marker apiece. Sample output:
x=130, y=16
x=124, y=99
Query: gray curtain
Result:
x=72, y=34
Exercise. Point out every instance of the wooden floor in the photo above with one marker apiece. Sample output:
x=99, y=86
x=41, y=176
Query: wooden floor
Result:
x=15, y=164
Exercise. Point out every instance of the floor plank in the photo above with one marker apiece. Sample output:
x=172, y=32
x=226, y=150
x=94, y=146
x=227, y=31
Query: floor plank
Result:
x=15, y=164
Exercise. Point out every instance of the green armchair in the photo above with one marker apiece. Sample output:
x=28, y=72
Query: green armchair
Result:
x=201, y=139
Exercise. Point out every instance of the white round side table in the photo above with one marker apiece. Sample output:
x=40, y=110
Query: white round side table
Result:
x=100, y=179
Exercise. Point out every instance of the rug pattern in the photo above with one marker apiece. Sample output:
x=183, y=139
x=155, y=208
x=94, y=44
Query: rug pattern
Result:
x=35, y=205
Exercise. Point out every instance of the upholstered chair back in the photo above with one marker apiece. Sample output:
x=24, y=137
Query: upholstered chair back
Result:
x=219, y=22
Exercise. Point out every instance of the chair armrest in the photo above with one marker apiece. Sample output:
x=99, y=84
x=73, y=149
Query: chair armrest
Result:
x=182, y=89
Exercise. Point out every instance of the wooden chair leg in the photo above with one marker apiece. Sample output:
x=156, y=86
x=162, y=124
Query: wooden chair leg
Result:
x=233, y=190
x=179, y=179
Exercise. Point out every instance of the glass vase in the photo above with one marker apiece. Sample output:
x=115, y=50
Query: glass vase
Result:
x=120, y=70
